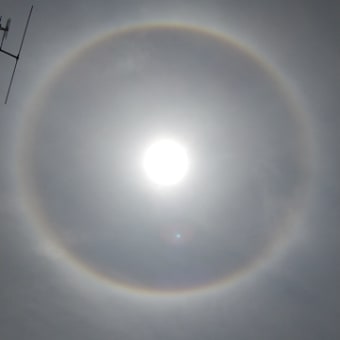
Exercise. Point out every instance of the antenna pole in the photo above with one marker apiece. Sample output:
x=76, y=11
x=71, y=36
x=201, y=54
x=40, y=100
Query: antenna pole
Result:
x=10, y=83
x=18, y=55
x=23, y=37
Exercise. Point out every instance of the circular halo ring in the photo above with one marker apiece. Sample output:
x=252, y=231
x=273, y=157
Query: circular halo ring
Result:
x=39, y=219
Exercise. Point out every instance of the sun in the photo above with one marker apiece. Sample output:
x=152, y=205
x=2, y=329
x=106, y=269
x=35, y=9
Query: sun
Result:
x=166, y=162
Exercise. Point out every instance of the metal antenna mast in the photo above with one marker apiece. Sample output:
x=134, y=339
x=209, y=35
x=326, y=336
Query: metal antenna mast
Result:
x=17, y=56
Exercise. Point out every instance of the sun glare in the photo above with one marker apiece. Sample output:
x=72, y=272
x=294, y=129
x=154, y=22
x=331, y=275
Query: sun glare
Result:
x=166, y=162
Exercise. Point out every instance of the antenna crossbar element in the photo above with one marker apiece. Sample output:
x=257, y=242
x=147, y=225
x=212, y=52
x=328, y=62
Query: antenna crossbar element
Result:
x=9, y=53
x=16, y=57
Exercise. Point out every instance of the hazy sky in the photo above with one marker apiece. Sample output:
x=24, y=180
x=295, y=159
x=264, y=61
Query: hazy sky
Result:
x=246, y=246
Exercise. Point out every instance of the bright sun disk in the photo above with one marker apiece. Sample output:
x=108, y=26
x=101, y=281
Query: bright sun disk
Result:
x=166, y=162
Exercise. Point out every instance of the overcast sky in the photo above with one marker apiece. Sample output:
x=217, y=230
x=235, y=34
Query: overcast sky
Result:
x=246, y=246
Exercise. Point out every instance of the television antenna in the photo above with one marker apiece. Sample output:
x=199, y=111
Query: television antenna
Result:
x=5, y=30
